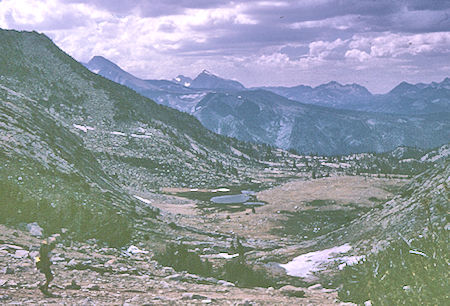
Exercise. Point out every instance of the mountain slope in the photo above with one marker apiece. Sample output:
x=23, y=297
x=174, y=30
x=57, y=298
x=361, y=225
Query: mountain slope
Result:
x=76, y=149
x=266, y=117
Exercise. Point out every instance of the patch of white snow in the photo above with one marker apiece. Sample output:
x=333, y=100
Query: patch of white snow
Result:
x=140, y=136
x=227, y=256
x=304, y=265
x=84, y=128
x=146, y=201
x=118, y=133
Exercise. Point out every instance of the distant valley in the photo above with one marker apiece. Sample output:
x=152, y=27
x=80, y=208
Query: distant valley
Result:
x=328, y=119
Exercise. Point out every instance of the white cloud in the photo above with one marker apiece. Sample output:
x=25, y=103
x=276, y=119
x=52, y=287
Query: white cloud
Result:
x=395, y=45
x=357, y=54
x=187, y=40
x=323, y=49
x=339, y=23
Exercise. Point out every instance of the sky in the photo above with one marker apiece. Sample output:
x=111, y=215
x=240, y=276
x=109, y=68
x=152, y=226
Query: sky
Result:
x=375, y=43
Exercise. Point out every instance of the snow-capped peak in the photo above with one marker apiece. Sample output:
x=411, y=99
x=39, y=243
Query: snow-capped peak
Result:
x=207, y=72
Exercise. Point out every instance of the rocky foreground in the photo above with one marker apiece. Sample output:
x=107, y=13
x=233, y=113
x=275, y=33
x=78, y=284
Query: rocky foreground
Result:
x=87, y=274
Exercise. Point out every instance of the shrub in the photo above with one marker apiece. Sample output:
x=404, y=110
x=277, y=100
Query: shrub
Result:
x=179, y=257
x=410, y=273
x=245, y=275
x=83, y=221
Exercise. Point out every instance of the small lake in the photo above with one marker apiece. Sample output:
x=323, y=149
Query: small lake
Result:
x=231, y=199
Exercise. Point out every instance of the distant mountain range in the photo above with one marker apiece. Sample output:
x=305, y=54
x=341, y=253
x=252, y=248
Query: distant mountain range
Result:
x=328, y=119
x=406, y=99
x=331, y=94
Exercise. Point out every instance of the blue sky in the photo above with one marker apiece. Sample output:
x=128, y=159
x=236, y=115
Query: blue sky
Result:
x=376, y=43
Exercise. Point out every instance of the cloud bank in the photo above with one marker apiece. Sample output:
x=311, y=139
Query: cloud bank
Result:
x=374, y=43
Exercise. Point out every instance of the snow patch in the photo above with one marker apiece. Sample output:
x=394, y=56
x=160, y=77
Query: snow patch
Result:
x=135, y=250
x=238, y=153
x=187, y=84
x=349, y=261
x=118, y=133
x=227, y=256
x=371, y=122
x=193, y=96
x=304, y=265
x=140, y=136
x=84, y=128
x=220, y=190
x=146, y=201
x=334, y=165
x=195, y=147
x=221, y=255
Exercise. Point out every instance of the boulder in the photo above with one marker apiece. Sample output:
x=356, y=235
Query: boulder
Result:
x=225, y=283
x=193, y=296
x=8, y=270
x=35, y=229
x=21, y=254
x=132, y=301
x=315, y=287
x=58, y=257
x=93, y=287
x=135, y=250
x=176, y=277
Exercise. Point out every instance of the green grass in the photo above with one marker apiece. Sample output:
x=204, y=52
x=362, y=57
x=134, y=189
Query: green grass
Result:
x=316, y=222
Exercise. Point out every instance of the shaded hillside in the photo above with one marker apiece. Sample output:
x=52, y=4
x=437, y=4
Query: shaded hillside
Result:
x=75, y=148
x=266, y=117
x=130, y=135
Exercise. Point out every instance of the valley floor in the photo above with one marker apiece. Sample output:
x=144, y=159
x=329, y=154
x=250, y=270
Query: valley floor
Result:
x=107, y=276
x=324, y=194
x=112, y=276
